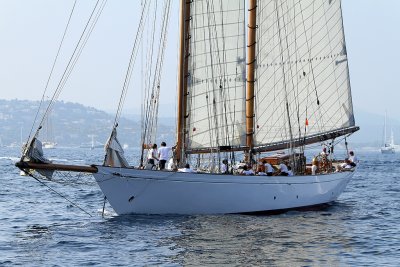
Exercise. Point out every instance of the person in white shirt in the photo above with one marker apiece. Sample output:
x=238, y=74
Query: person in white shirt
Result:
x=283, y=169
x=346, y=164
x=224, y=166
x=353, y=159
x=186, y=169
x=152, y=156
x=163, y=155
x=247, y=171
x=268, y=168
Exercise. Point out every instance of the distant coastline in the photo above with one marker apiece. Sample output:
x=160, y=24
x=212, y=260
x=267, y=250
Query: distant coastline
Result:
x=73, y=124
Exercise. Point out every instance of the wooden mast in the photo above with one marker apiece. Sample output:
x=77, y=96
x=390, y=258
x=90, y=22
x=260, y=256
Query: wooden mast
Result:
x=250, y=78
x=182, y=77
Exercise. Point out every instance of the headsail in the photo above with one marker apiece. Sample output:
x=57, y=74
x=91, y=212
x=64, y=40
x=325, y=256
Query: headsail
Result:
x=216, y=81
x=302, y=80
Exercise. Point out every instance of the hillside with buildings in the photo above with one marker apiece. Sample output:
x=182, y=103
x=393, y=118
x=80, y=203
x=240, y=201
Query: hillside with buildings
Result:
x=70, y=124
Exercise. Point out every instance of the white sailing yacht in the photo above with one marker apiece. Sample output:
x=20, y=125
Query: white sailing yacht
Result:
x=283, y=87
x=388, y=145
x=49, y=142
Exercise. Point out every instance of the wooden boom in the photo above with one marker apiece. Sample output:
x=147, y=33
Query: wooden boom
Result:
x=23, y=165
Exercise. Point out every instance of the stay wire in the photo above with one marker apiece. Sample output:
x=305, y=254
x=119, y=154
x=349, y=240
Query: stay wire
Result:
x=59, y=194
x=150, y=120
x=130, y=66
x=72, y=59
x=75, y=60
x=51, y=71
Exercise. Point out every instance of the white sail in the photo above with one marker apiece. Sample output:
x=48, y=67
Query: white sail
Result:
x=216, y=81
x=302, y=71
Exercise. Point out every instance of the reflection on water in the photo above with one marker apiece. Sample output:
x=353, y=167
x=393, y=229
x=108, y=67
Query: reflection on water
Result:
x=291, y=239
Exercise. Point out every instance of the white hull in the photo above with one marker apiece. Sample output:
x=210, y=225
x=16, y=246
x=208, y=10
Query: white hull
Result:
x=161, y=192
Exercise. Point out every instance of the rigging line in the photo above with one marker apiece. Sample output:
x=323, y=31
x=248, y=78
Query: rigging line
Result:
x=160, y=64
x=309, y=51
x=157, y=73
x=241, y=11
x=152, y=110
x=240, y=26
x=80, y=50
x=296, y=92
x=226, y=108
x=213, y=106
x=67, y=69
x=56, y=192
x=208, y=40
x=204, y=16
x=130, y=65
x=212, y=18
x=143, y=94
x=150, y=124
x=290, y=71
x=310, y=56
x=297, y=88
x=223, y=70
x=283, y=73
x=149, y=96
x=51, y=71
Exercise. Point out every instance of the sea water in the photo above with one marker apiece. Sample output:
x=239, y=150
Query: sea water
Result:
x=63, y=226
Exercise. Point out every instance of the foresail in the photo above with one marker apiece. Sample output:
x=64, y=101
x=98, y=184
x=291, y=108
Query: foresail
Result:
x=216, y=78
x=302, y=80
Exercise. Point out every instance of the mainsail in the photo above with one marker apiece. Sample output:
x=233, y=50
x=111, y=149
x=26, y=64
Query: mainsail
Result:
x=302, y=87
x=216, y=75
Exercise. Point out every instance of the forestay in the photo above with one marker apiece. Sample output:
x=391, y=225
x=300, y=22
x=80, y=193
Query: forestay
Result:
x=216, y=79
x=302, y=87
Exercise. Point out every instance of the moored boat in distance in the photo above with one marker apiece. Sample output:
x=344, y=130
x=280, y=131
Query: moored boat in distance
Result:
x=288, y=91
x=49, y=145
x=388, y=145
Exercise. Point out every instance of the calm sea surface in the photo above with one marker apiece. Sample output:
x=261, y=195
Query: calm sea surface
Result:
x=40, y=228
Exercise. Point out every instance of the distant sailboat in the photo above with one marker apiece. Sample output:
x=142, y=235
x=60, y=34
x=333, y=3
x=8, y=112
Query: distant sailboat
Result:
x=49, y=142
x=93, y=144
x=388, y=146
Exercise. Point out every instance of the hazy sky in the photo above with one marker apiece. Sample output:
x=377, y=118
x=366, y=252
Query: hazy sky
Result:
x=31, y=32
